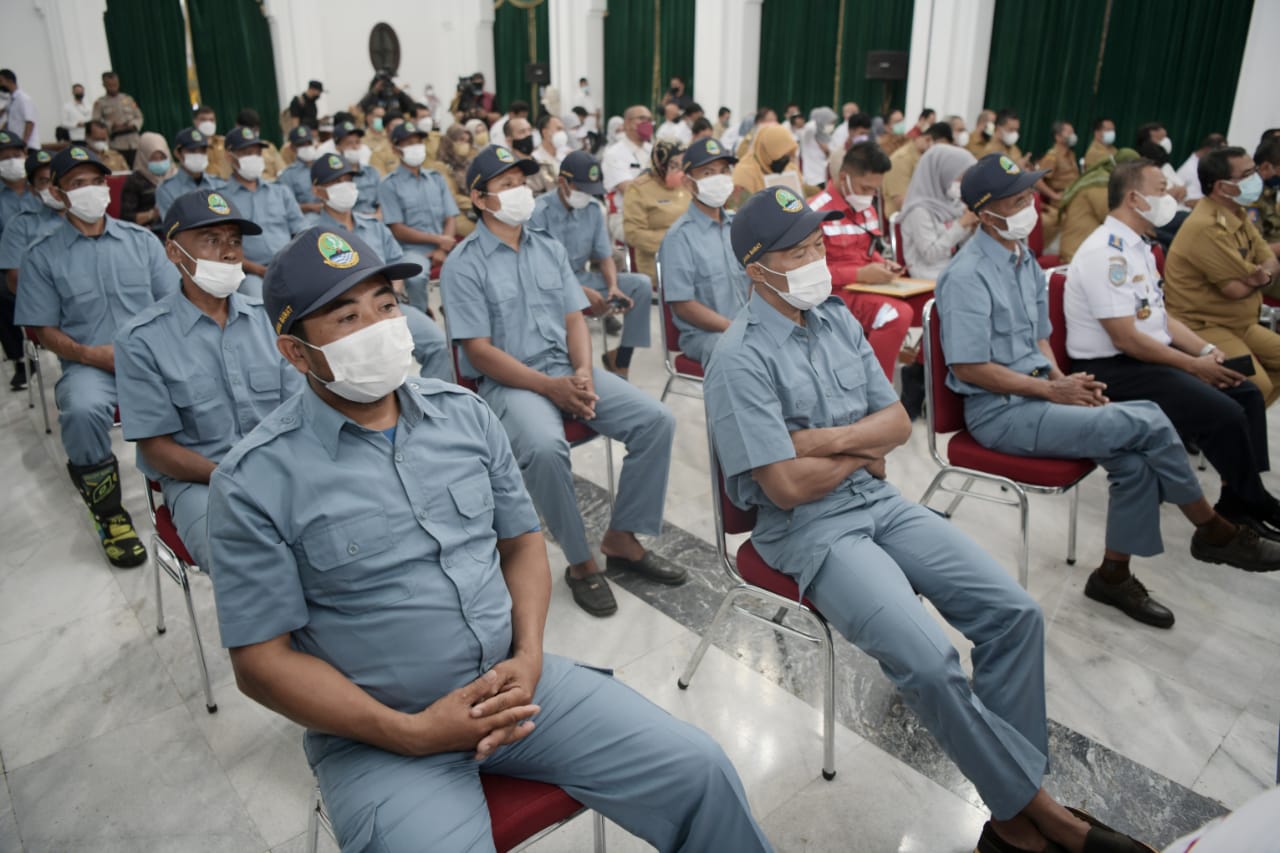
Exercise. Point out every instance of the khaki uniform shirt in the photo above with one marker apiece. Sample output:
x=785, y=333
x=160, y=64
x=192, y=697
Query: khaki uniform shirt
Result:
x=995, y=146
x=904, y=162
x=1265, y=216
x=977, y=145
x=1213, y=246
x=1063, y=168
x=114, y=160
x=1097, y=153
x=648, y=209
x=463, y=224
x=119, y=109
x=220, y=162
x=1088, y=210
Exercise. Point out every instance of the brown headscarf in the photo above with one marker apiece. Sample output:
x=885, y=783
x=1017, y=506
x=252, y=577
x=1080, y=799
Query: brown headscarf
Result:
x=457, y=162
x=773, y=142
x=662, y=160
x=149, y=144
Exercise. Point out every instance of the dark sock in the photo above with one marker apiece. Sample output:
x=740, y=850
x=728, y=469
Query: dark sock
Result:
x=1114, y=571
x=622, y=357
x=1217, y=530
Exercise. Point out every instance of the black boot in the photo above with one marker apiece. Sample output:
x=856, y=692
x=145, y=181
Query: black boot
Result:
x=913, y=389
x=19, y=380
x=99, y=486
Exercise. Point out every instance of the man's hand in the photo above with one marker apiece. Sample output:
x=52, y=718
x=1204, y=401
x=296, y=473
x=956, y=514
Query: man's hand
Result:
x=437, y=257
x=102, y=357
x=876, y=469
x=445, y=242
x=596, y=303
x=478, y=715
x=876, y=272
x=1258, y=278
x=1078, y=389
x=617, y=296
x=518, y=678
x=252, y=268
x=895, y=268
x=573, y=395
x=1208, y=368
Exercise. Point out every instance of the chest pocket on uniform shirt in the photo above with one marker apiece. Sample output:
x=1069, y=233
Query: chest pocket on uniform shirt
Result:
x=473, y=499
x=348, y=567
x=848, y=397
x=1002, y=334
x=133, y=281
x=200, y=408
x=264, y=382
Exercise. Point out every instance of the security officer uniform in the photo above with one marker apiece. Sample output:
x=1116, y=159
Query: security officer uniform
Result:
x=297, y=175
x=120, y=109
x=377, y=553
x=698, y=264
x=1114, y=275
x=585, y=238
x=994, y=308
x=429, y=345
x=181, y=182
x=420, y=199
x=367, y=178
x=207, y=386
x=519, y=300
x=267, y=203
x=89, y=288
x=862, y=552
x=1216, y=245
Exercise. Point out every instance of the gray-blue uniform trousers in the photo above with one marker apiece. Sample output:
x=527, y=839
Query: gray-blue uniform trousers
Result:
x=297, y=177
x=89, y=288
x=207, y=386
x=994, y=306
x=862, y=552
x=272, y=206
x=519, y=300
x=585, y=237
x=698, y=265
x=422, y=202
x=429, y=345
x=378, y=555
x=179, y=184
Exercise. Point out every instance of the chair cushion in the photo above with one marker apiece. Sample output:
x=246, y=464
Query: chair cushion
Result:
x=576, y=432
x=964, y=450
x=520, y=808
x=688, y=366
x=169, y=535
x=756, y=571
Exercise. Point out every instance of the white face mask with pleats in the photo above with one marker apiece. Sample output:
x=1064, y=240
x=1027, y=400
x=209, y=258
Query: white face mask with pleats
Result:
x=369, y=364
x=807, y=286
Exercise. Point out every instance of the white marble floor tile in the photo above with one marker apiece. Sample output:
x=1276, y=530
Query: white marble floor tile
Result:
x=10, y=841
x=1244, y=765
x=59, y=581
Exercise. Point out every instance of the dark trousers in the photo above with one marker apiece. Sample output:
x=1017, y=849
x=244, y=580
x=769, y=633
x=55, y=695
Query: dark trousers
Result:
x=1229, y=425
x=10, y=335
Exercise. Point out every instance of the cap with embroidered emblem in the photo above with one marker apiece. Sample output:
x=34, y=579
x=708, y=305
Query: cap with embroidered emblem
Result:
x=242, y=137
x=327, y=168
x=202, y=208
x=74, y=156
x=704, y=151
x=492, y=161
x=994, y=177
x=37, y=160
x=406, y=130
x=300, y=135
x=8, y=140
x=772, y=219
x=189, y=138
x=583, y=171
x=344, y=129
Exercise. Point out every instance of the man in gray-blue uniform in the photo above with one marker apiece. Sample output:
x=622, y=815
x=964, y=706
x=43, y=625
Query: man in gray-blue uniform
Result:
x=573, y=216
x=267, y=203
x=334, y=184
x=702, y=281
x=297, y=175
x=198, y=370
x=994, y=305
x=16, y=235
x=348, y=141
x=418, y=208
x=381, y=580
x=515, y=308
x=802, y=419
x=16, y=197
x=80, y=282
x=191, y=156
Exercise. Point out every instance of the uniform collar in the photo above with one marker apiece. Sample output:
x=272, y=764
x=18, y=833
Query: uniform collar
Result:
x=1222, y=215
x=696, y=214
x=1127, y=235
x=779, y=326
x=70, y=232
x=408, y=173
x=328, y=423
x=489, y=241
x=188, y=314
x=991, y=247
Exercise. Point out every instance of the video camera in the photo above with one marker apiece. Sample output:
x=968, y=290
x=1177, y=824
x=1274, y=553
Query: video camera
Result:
x=469, y=98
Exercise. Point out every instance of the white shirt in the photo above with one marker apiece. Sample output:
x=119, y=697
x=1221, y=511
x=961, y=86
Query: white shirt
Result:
x=22, y=110
x=76, y=113
x=1113, y=274
x=623, y=161
x=813, y=160
x=498, y=130
x=675, y=131
x=839, y=136
x=1190, y=176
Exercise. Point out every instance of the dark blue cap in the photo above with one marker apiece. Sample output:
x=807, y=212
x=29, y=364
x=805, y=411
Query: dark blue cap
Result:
x=583, y=171
x=774, y=218
x=327, y=168
x=300, y=135
x=704, y=151
x=404, y=130
x=242, y=137
x=37, y=160
x=994, y=177
x=492, y=161
x=202, y=208
x=73, y=156
x=344, y=129
x=8, y=140
x=317, y=267
x=189, y=137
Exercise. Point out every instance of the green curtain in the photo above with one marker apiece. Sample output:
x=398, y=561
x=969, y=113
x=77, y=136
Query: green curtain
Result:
x=511, y=51
x=147, y=42
x=873, y=25
x=1177, y=63
x=675, y=47
x=640, y=59
x=235, y=63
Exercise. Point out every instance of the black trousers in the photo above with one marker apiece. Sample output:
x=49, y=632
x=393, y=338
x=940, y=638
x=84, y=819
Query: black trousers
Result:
x=1229, y=425
x=10, y=335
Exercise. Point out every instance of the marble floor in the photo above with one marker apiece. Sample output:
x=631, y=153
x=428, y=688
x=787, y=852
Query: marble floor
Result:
x=106, y=745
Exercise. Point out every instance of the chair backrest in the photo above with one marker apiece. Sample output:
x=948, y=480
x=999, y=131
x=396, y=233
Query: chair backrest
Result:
x=115, y=183
x=728, y=518
x=1058, y=318
x=670, y=333
x=469, y=384
x=899, y=248
x=945, y=408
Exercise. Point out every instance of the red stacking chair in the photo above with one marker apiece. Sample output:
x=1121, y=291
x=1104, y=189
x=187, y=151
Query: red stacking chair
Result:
x=679, y=365
x=115, y=183
x=168, y=552
x=755, y=580
x=1035, y=242
x=967, y=459
x=520, y=811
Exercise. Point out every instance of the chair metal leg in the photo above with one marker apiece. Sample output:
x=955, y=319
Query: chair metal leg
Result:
x=209, y=704
x=1024, y=552
x=608, y=468
x=313, y=824
x=157, y=554
x=955, y=501
x=597, y=823
x=1071, y=530
x=828, y=703
x=933, y=486
x=666, y=389
x=33, y=365
x=729, y=598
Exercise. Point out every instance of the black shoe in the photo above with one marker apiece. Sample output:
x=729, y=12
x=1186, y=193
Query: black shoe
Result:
x=1131, y=598
x=1104, y=839
x=612, y=325
x=1246, y=550
x=19, y=380
x=989, y=842
x=592, y=593
x=650, y=567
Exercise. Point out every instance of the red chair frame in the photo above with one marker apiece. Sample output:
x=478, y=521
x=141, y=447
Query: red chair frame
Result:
x=678, y=365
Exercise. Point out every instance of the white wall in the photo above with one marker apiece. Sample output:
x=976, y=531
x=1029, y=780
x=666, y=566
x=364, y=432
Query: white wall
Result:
x=577, y=47
x=726, y=58
x=950, y=45
x=1256, y=107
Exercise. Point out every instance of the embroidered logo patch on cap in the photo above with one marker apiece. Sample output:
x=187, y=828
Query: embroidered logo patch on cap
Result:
x=196, y=136
x=713, y=147
x=42, y=156
x=1009, y=166
x=79, y=154
x=409, y=128
x=334, y=161
x=787, y=200
x=504, y=155
x=593, y=174
x=337, y=253
x=246, y=133
x=218, y=204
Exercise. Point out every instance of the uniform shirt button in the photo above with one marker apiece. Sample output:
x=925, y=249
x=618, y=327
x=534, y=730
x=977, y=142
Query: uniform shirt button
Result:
x=353, y=549
x=399, y=457
x=422, y=513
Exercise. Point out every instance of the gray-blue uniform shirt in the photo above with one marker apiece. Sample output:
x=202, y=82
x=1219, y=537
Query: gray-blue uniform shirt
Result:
x=516, y=299
x=422, y=202
x=90, y=287
x=179, y=373
x=582, y=232
x=297, y=177
x=179, y=184
x=769, y=377
x=272, y=207
x=378, y=555
x=368, y=182
x=12, y=203
x=23, y=230
x=698, y=265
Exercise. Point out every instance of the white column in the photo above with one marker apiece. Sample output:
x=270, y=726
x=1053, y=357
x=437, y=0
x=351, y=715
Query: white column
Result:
x=51, y=45
x=1255, y=107
x=577, y=47
x=950, y=46
x=295, y=31
x=726, y=55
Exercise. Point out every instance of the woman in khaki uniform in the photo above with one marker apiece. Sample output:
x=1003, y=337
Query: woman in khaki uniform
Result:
x=651, y=203
x=1084, y=204
x=455, y=154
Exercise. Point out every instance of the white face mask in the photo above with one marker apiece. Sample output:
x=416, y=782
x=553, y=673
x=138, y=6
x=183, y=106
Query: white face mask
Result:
x=352, y=156
x=1020, y=225
x=1071, y=140
x=1108, y=137
x=308, y=153
x=46, y=196
x=1009, y=137
x=250, y=166
x=517, y=205
x=13, y=169
x=369, y=364
x=425, y=124
x=559, y=140
x=208, y=128
x=1167, y=145
x=578, y=200
x=215, y=278
x=365, y=154
x=808, y=286
x=342, y=196
x=859, y=203
x=714, y=190
x=195, y=163
x=89, y=203
x=98, y=145
x=1160, y=211
x=962, y=138
x=414, y=155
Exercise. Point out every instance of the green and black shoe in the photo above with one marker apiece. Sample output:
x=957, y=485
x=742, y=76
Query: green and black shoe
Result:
x=120, y=541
